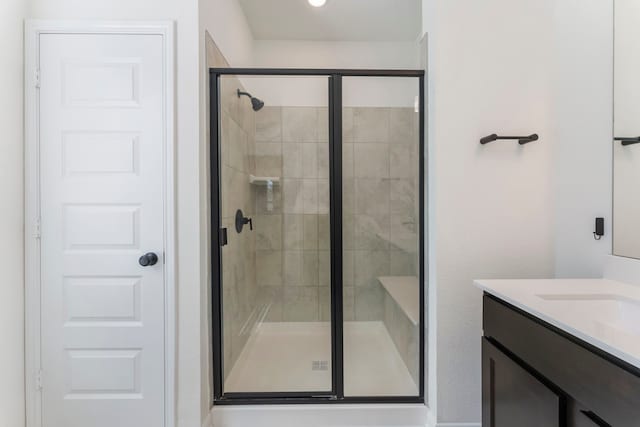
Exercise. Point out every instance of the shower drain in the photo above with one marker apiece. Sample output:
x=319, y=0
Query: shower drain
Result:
x=319, y=365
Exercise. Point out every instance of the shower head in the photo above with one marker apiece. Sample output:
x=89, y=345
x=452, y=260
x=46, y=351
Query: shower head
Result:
x=256, y=103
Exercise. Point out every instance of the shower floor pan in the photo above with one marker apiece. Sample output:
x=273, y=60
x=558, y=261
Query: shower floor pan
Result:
x=296, y=356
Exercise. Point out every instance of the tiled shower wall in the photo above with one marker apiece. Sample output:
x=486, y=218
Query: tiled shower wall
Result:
x=241, y=308
x=292, y=259
x=380, y=184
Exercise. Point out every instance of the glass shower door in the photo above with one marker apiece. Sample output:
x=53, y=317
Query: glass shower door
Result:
x=381, y=184
x=274, y=194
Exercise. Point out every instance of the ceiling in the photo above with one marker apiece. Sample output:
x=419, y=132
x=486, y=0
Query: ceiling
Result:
x=337, y=20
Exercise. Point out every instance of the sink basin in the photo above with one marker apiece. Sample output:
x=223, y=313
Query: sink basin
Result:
x=610, y=310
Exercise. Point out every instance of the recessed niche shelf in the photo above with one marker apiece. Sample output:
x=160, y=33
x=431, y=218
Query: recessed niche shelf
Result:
x=264, y=180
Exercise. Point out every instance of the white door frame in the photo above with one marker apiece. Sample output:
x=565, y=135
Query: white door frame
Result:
x=33, y=30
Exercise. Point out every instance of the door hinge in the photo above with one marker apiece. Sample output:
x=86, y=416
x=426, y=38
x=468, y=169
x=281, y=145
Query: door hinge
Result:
x=37, y=231
x=37, y=77
x=39, y=380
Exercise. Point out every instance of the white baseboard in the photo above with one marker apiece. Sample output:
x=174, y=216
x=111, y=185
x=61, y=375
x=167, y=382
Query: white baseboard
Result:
x=319, y=416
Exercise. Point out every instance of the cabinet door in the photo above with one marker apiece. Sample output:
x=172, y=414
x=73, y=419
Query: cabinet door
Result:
x=513, y=397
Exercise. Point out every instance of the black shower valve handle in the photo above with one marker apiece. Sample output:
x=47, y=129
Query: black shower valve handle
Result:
x=242, y=220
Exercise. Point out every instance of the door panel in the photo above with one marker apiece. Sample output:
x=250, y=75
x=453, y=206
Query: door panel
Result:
x=101, y=155
x=274, y=194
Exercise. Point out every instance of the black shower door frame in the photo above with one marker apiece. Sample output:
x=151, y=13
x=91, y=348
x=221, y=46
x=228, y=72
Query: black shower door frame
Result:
x=336, y=394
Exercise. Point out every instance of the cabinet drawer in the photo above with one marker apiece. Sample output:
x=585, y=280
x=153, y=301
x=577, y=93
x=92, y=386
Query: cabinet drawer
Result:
x=605, y=385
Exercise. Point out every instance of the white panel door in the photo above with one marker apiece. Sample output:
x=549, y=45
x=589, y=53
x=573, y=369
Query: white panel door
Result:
x=101, y=163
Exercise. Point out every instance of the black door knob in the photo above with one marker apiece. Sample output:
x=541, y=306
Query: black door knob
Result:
x=148, y=259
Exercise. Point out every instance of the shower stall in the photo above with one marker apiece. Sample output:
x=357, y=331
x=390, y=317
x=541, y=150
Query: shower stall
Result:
x=317, y=251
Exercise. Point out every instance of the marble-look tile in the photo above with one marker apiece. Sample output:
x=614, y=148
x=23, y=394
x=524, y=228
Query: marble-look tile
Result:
x=268, y=229
x=292, y=160
x=402, y=126
x=348, y=196
x=401, y=161
x=246, y=116
x=323, y=197
x=270, y=298
x=369, y=265
x=402, y=263
x=371, y=124
x=324, y=296
x=372, y=196
x=348, y=231
x=369, y=303
x=268, y=159
x=236, y=145
x=372, y=232
x=323, y=124
x=309, y=160
x=324, y=232
x=348, y=267
x=235, y=191
x=348, y=163
x=229, y=100
x=347, y=125
x=403, y=198
x=292, y=195
x=310, y=268
x=371, y=160
x=300, y=304
x=324, y=268
x=310, y=196
x=225, y=138
x=299, y=124
x=293, y=268
x=348, y=303
x=404, y=234
x=269, y=124
x=269, y=268
x=310, y=232
x=293, y=231
x=323, y=160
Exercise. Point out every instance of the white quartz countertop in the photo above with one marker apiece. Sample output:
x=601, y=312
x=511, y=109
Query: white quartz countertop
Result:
x=602, y=312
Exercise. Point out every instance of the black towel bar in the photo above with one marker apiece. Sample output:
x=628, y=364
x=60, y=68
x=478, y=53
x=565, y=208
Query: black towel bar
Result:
x=521, y=139
x=629, y=140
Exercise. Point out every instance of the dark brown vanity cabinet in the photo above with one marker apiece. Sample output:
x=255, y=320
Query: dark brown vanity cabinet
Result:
x=514, y=397
x=536, y=375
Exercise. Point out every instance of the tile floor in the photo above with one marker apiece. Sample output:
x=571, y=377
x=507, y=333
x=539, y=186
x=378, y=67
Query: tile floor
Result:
x=296, y=356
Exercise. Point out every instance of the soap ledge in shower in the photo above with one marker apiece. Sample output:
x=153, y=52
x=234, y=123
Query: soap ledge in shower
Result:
x=264, y=180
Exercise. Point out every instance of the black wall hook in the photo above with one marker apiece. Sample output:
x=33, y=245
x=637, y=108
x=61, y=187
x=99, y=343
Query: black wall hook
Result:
x=521, y=139
x=628, y=141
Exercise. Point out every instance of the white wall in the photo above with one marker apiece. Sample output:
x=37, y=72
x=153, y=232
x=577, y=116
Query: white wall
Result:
x=12, y=407
x=318, y=54
x=225, y=22
x=505, y=211
x=582, y=114
x=491, y=206
x=185, y=14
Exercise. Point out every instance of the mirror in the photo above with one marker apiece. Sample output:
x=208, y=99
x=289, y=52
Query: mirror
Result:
x=626, y=144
